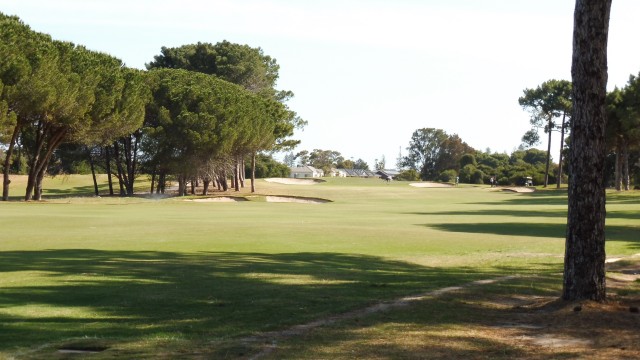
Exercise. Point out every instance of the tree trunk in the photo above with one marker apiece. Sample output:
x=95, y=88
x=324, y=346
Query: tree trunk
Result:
x=33, y=163
x=236, y=174
x=121, y=174
x=618, y=165
x=7, y=164
x=546, y=172
x=253, y=172
x=205, y=186
x=241, y=170
x=584, y=271
x=93, y=173
x=559, y=180
x=625, y=164
x=40, y=161
x=108, y=168
x=153, y=180
x=222, y=179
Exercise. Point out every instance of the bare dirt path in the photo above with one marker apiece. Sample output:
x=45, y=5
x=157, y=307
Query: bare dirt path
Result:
x=270, y=339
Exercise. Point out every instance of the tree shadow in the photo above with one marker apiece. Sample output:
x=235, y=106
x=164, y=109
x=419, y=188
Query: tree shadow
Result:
x=434, y=328
x=500, y=212
x=118, y=295
x=498, y=321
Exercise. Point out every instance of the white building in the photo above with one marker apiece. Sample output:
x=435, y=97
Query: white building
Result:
x=306, y=172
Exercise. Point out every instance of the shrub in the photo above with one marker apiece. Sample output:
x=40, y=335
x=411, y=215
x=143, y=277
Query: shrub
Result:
x=448, y=176
x=408, y=175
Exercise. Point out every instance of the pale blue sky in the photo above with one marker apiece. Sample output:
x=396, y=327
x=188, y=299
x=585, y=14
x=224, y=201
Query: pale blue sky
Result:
x=366, y=74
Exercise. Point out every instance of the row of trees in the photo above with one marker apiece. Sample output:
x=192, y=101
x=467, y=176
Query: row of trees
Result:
x=323, y=159
x=437, y=156
x=197, y=113
x=550, y=106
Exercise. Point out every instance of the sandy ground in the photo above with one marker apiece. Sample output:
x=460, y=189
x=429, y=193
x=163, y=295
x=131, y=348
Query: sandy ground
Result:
x=292, y=181
x=291, y=199
x=271, y=198
x=219, y=199
x=518, y=189
x=430, y=185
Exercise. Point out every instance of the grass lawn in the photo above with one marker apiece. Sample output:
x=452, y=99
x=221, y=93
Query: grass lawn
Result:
x=147, y=278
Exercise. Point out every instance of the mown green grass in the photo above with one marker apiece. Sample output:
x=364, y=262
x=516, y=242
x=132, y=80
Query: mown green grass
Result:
x=161, y=277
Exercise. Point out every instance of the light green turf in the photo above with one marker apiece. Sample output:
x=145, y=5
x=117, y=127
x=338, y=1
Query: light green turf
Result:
x=164, y=275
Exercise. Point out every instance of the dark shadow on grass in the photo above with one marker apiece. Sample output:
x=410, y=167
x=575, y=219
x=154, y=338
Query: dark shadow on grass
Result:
x=127, y=295
x=500, y=212
x=428, y=329
x=627, y=234
x=541, y=197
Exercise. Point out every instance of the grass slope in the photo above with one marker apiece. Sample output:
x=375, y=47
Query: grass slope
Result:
x=147, y=278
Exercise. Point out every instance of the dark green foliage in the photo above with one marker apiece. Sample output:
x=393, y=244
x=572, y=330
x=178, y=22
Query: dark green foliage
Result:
x=267, y=167
x=468, y=159
x=408, y=175
x=448, y=176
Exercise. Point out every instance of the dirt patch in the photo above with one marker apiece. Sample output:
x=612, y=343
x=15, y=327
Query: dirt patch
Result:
x=293, y=181
x=518, y=189
x=430, y=185
x=518, y=325
x=295, y=199
x=219, y=199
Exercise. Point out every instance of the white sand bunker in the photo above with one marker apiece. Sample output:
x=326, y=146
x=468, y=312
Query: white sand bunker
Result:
x=430, y=185
x=519, y=189
x=295, y=199
x=219, y=199
x=293, y=181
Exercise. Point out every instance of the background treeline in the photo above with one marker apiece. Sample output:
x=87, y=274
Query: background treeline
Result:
x=201, y=112
x=435, y=155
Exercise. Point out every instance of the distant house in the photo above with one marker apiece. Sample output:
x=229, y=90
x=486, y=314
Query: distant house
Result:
x=338, y=173
x=387, y=174
x=306, y=172
x=357, y=173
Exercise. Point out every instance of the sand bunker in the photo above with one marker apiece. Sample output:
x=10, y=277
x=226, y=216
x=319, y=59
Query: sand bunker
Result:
x=293, y=181
x=518, y=189
x=295, y=199
x=430, y=185
x=219, y=199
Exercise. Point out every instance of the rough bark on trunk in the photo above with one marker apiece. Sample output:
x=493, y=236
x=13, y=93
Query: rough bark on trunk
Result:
x=584, y=271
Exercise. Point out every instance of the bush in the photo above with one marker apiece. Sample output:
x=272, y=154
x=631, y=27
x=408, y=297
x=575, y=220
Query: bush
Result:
x=477, y=177
x=408, y=175
x=448, y=176
x=466, y=174
x=504, y=181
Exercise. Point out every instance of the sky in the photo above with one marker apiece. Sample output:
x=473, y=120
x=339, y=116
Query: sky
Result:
x=366, y=73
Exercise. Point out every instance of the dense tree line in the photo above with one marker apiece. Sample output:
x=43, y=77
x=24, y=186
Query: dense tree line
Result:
x=324, y=160
x=435, y=155
x=623, y=135
x=197, y=114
